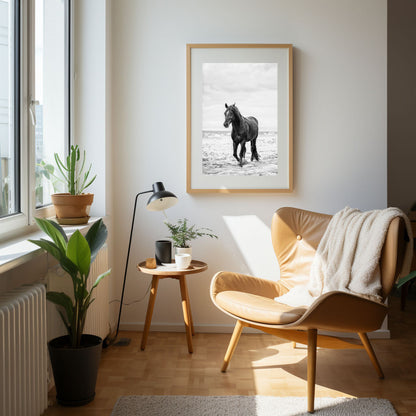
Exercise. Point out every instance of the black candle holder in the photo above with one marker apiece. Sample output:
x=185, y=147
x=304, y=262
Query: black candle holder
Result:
x=163, y=252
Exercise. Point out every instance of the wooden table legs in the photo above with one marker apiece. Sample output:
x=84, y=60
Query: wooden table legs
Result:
x=186, y=308
x=149, y=313
x=187, y=316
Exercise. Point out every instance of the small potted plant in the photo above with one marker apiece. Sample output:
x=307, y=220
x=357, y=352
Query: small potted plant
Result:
x=182, y=234
x=75, y=357
x=73, y=206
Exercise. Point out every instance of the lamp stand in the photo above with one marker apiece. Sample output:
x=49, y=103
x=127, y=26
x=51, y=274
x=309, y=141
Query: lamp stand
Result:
x=123, y=342
x=159, y=201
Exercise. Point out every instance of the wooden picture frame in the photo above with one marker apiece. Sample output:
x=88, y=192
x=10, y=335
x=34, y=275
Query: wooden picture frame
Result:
x=239, y=96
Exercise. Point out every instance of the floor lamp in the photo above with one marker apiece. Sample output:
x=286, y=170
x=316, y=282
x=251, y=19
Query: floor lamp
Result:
x=158, y=201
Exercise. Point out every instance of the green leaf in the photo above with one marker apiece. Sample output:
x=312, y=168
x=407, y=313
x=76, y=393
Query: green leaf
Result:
x=100, y=277
x=62, y=169
x=96, y=237
x=54, y=231
x=406, y=279
x=72, y=159
x=69, y=267
x=78, y=251
x=62, y=299
x=49, y=168
x=88, y=184
x=50, y=247
x=60, y=229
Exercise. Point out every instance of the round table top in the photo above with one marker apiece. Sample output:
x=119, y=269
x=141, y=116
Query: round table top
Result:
x=195, y=267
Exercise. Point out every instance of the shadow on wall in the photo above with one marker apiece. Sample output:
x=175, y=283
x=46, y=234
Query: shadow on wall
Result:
x=253, y=238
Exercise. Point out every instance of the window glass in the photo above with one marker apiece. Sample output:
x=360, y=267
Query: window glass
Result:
x=9, y=109
x=51, y=94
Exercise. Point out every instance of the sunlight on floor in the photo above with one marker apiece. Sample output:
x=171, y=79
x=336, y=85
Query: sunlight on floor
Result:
x=278, y=366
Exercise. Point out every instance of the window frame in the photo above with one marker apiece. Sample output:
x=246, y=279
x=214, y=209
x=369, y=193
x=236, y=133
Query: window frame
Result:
x=24, y=139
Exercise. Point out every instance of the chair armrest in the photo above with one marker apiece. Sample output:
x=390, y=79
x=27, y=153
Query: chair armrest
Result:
x=223, y=281
x=343, y=312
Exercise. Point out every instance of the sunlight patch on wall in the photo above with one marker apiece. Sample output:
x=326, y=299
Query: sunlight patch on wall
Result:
x=253, y=239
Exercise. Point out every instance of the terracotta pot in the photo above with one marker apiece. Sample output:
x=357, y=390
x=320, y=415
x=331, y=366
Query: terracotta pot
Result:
x=72, y=209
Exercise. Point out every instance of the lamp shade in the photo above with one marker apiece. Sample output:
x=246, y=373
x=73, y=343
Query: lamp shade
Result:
x=161, y=199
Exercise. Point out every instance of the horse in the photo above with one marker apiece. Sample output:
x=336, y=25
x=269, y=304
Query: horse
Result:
x=244, y=129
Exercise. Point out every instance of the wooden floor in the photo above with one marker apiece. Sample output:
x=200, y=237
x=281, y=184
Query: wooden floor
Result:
x=262, y=365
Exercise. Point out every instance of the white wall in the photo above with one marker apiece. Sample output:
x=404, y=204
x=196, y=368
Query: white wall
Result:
x=92, y=104
x=339, y=130
x=92, y=96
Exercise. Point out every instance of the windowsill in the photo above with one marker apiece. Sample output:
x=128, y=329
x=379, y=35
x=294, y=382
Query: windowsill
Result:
x=17, y=251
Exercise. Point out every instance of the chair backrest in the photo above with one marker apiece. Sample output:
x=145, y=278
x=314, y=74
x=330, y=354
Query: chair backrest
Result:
x=296, y=234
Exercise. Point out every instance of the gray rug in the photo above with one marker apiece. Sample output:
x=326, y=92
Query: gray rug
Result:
x=247, y=406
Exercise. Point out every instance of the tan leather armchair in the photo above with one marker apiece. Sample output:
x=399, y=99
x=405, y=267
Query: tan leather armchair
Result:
x=295, y=235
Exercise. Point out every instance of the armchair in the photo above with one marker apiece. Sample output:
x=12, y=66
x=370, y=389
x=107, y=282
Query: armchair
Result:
x=296, y=235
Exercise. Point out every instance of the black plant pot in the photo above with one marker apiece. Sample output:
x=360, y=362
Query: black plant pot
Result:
x=75, y=369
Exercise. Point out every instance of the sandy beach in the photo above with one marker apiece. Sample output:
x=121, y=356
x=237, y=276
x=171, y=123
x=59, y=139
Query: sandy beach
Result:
x=218, y=159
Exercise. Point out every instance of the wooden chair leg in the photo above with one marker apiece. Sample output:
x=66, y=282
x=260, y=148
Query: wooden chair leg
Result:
x=369, y=348
x=232, y=345
x=312, y=340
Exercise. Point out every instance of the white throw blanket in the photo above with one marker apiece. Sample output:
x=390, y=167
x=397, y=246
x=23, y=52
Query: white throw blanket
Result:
x=348, y=255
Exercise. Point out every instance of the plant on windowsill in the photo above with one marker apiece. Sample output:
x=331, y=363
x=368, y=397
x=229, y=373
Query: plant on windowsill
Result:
x=75, y=356
x=73, y=206
x=182, y=234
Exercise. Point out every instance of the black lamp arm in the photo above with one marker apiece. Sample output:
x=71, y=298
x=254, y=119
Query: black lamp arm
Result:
x=128, y=256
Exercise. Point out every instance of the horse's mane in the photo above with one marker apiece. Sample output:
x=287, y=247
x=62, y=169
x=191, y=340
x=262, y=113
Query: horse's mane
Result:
x=235, y=110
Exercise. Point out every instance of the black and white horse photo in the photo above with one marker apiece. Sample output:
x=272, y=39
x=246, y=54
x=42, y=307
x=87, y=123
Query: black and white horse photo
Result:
x=250, y=125
x=244, y=129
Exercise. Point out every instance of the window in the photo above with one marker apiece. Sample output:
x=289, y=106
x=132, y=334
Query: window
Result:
x=34, y=104
x=9, y=108
x=51, y=92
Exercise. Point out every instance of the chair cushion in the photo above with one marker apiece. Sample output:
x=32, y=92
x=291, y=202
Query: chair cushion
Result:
x=258, y=308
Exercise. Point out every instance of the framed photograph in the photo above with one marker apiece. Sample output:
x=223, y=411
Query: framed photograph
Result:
x=239, y=118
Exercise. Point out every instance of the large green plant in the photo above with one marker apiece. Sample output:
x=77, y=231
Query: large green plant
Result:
x=72, y=171
x=182, y=233
x=75, y=256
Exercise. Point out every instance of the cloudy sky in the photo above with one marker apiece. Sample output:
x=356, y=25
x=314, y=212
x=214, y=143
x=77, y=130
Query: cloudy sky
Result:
x=251, y=86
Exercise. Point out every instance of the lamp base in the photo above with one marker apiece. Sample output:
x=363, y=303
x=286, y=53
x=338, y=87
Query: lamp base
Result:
x=122, y=342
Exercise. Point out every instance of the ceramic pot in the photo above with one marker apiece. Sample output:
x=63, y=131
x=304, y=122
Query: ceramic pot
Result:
x=183, y=250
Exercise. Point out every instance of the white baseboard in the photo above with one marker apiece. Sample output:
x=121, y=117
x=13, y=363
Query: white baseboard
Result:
x=228, y=329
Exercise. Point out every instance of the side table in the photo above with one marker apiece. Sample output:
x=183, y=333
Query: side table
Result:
x=164, y=272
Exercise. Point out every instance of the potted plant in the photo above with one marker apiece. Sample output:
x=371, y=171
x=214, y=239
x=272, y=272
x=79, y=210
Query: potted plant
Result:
x=75, y=356
x=73, y=206
x=182, y=234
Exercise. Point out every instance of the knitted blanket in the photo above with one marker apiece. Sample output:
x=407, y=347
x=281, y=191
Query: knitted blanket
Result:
x=348, y=256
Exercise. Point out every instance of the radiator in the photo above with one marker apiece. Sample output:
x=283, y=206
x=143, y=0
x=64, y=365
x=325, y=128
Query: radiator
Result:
x=23, y=355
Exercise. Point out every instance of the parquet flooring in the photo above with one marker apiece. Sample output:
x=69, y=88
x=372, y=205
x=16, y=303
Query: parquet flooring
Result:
x=262, y=365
